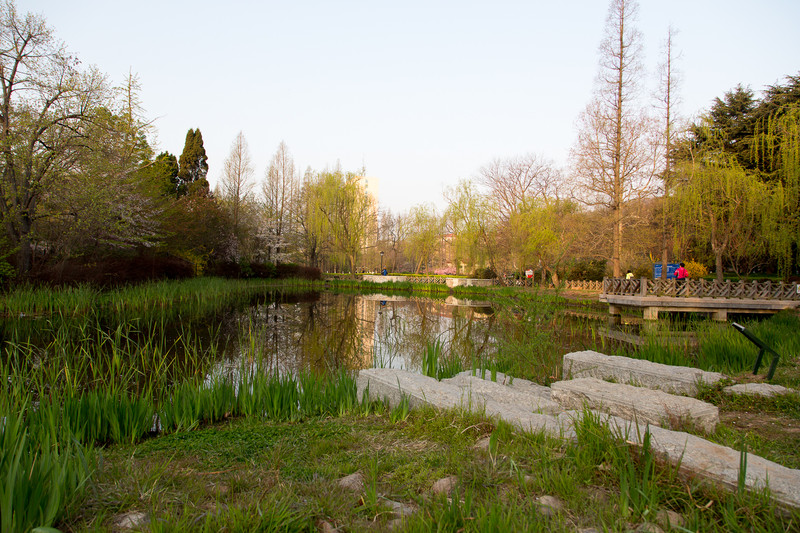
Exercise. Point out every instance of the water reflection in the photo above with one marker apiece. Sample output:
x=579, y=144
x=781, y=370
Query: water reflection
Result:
x=327, y=332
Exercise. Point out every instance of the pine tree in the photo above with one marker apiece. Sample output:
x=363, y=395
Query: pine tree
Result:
x=193, y=166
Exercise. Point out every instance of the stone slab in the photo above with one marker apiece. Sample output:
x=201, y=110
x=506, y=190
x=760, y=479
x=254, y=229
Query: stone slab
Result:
x=377, y=278
x=673, y=379
x=510, y=405
x=516, y=384
x=758, y=389
x=635, y=403
x=468, y=282
x=709, y=461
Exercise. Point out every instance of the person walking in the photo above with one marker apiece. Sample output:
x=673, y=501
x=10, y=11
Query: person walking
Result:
x=681, y=273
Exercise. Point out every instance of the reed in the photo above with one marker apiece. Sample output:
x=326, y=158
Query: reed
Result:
x=720, y=347
x=42, y=469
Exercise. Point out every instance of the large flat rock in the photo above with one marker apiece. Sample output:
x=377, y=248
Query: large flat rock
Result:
x=709, y=461
x=635, y=403
x=674, y=379
x=520, y=395
x=526, y=412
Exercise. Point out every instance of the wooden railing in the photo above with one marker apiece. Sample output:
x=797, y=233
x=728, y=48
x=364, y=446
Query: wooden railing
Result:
x=700, y=288
x=581, y=285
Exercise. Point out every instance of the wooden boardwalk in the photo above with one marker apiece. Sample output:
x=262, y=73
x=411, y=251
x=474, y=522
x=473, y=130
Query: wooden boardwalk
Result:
x=698, y=296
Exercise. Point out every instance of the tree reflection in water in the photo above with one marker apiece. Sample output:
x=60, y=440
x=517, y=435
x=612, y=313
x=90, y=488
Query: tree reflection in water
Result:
x=328, y=332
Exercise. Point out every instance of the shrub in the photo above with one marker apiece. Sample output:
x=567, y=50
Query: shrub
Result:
x=696, y=270
x=586, y=269
x=484, y=273
x=291, y=270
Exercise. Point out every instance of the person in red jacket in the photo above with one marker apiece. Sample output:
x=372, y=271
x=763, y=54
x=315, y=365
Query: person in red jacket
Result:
x=681, y=273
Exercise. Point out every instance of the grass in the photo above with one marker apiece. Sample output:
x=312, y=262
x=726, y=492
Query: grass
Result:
x=249, y=474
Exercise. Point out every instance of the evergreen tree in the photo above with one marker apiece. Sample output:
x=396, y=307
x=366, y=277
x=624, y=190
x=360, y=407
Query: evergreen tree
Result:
x=192, y=164
x=729, y=126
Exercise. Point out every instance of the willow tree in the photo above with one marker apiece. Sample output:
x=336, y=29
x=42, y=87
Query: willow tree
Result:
x=424, y=237
x=777, y=148
x=340, y=214
x=720, y=203
x=472, y=219
x=543, y=233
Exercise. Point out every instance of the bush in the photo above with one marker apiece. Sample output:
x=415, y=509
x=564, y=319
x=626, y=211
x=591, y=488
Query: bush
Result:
x=112, y=270
x=241, y=270
x=586, y=269
x=696, y=270
x=484, y=273
x=291, y=270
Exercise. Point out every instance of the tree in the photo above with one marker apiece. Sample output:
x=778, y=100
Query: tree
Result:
x=614, y=155
x=515, y=180
x=193, y=165
x=777, y=149
x=542, y=235
x=279, y=188
x=162, y=171
x=720, y=202
x=472, y=219
x=424, y=237
x=104, y=201
x=236, y=184
x=667, y=100
x=45, y=109
x=340, y=214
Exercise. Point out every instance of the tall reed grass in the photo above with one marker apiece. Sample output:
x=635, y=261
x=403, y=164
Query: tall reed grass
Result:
x=719, y=347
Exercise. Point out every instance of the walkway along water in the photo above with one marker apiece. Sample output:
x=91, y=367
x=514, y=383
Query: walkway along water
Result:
x=628, y=409
x=698, y=296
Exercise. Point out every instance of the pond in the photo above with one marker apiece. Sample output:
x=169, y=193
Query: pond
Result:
x=284, y=332
x=327, y=332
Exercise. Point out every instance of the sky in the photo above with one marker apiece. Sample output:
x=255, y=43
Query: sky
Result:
x=420, y=93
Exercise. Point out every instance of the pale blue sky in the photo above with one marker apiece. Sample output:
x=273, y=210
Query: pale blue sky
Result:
x=421, y=92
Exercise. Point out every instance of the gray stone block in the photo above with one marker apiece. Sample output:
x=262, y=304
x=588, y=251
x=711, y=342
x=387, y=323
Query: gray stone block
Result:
x=483, y=390
x=521, y=385
x=709, y=461
x=635, y=403
x=510, y=405
x=757, y=389
x=674, y=379
x=392, y=385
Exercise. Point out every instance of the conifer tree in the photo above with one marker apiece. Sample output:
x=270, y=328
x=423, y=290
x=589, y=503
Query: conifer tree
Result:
x=193, y=165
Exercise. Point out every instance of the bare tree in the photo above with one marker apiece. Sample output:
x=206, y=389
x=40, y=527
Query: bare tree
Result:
x=614, y=155
x=514, y=180
x=237, y=179
x=279, y=188
x=46, y=104
x=667, y=101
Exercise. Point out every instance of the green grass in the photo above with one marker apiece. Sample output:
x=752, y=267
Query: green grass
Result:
x=250, y=474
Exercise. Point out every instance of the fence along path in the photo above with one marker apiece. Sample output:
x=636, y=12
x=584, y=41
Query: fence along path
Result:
x=700, y=288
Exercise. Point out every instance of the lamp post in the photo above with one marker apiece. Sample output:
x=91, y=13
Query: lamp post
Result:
x=381, y=262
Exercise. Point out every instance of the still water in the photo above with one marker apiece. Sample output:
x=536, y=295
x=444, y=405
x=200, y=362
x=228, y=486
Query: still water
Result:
x=327, y=332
